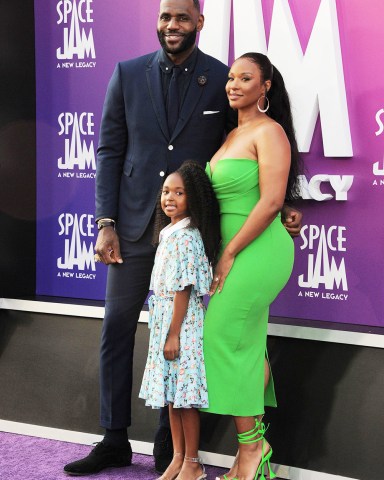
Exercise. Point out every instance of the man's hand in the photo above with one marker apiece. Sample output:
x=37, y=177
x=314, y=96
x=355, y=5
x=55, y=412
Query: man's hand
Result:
x=291, y=219
x=108, y=246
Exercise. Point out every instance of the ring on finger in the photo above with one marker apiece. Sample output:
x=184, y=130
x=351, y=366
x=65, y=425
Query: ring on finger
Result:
x=216, y=279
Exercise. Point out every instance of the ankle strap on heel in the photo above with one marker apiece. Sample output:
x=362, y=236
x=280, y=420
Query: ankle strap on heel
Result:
x=200, y=462
x=254, y=435
x=193, y=459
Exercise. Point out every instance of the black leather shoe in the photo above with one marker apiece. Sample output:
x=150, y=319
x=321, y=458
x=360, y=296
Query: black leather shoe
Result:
x=163, y=449
x=102, y=456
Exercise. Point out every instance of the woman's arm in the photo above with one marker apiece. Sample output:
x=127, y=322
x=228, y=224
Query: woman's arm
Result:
x=180, y=307
x=274, y=158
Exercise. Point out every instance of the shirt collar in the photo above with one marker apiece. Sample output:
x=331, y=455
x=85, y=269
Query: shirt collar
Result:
x=187, y=66
x=167, y=231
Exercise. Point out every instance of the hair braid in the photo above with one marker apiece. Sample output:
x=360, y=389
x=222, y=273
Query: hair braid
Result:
x=203, y=208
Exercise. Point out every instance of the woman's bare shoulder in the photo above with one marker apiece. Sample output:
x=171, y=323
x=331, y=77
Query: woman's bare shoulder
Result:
x=269, y=127
x=270, y=132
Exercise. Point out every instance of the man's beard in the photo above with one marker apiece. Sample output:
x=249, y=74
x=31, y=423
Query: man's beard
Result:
x=188, y=41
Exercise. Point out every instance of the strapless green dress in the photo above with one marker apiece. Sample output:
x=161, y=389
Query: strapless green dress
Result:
x=235, y=327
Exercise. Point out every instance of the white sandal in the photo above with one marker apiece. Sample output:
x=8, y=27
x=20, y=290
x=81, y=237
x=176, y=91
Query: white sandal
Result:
x=197, y=460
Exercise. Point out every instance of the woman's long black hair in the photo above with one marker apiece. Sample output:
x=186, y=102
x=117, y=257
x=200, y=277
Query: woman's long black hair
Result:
x=280, y=111
x=203, y=208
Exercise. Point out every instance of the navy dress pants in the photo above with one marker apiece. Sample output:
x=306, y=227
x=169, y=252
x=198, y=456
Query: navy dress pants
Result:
x=127, y=289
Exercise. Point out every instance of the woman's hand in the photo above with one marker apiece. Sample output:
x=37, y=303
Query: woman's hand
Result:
x=291, y=219
x=172, y=347
x=221, y=272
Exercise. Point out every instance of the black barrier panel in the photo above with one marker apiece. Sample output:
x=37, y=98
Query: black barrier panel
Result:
x=17, y=149
x=329, y=416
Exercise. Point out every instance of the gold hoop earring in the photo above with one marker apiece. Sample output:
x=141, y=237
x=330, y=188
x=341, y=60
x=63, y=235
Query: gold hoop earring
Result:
x=258, y=106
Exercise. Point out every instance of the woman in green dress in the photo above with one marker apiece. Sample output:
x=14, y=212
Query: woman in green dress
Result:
x=253, y=173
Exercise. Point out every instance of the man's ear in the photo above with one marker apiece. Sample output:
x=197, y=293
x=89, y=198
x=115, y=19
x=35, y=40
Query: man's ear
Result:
x=200, y=23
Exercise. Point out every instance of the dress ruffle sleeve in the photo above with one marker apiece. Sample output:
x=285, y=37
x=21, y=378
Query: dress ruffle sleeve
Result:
x=189, y=263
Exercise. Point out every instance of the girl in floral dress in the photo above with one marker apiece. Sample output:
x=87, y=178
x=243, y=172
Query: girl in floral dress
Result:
x=188, y=233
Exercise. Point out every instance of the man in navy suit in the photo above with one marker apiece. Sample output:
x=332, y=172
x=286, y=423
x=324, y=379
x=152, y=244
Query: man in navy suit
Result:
x=160, y=109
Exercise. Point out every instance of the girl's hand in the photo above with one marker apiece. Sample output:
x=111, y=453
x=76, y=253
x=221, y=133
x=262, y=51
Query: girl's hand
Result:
x=221, y=272
x=172, y=347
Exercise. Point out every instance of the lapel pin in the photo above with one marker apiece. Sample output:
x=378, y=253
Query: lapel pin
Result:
x=201, y=80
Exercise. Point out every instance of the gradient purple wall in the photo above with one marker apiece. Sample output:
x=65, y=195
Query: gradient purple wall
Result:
x=351, y=245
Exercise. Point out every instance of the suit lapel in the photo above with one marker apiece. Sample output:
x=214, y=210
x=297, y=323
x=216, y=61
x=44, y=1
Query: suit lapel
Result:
x=194, y=93
x=155, y=88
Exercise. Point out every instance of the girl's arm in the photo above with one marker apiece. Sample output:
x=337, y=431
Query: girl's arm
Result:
x=274, y=158
x=180, y=307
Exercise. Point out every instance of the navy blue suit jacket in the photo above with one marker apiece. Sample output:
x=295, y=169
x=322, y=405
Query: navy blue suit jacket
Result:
x=135, y=147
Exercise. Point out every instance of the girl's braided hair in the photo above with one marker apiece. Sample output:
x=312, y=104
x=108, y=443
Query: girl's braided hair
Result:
x=203, y=208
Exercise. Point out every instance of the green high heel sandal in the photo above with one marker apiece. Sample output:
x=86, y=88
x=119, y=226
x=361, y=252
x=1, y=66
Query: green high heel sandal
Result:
x=254, y=435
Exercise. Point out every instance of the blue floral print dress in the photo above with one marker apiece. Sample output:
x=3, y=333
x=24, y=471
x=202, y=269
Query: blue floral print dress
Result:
x=180, y=261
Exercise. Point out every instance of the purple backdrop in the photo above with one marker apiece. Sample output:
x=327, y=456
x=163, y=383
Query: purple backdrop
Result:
x=339, y=256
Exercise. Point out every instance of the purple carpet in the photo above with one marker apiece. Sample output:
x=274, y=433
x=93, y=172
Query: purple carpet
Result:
x=31, y=458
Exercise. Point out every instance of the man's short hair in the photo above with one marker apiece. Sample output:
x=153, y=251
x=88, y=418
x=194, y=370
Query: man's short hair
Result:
x=197, y=5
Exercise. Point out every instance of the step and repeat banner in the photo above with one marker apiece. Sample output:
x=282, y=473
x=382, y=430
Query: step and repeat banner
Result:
x=329, y=52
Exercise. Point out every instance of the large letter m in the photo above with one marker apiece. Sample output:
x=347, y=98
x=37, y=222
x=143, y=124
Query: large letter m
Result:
x=314, y=80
